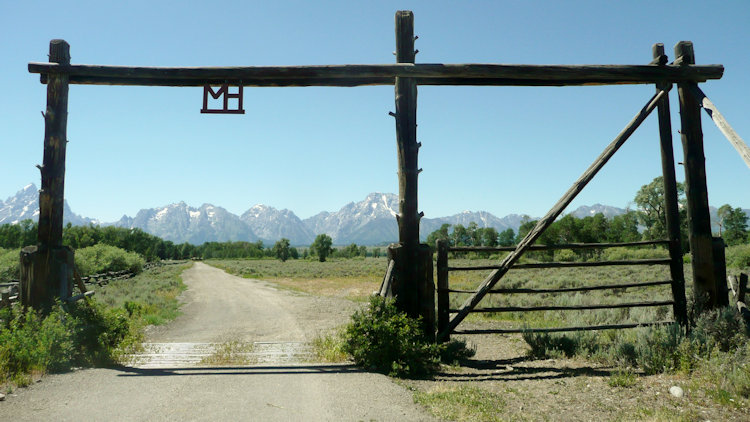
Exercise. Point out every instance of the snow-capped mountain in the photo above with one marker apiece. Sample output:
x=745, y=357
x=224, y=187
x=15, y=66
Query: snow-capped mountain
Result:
x=590, y=211
x=271, y=224
x=24, y=205
x=367, y=222
x=182, y=223
x=482, y=218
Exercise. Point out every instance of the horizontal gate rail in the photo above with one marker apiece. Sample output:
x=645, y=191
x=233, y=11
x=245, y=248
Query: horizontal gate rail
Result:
x=566, y=289
x=663, y=242
x=657, y=261
x=563, y=329
x=443, y=288
x=568, y=307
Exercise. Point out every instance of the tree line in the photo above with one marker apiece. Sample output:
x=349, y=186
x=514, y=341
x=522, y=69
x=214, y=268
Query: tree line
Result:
x=648, y=222
x=645, y=223
x=15, y=236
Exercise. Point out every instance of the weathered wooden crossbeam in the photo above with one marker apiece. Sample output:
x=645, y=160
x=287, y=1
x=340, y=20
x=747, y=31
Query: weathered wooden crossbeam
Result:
x=381, y=74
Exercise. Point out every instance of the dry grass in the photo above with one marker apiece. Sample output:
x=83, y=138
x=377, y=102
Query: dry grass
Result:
x=353, y=279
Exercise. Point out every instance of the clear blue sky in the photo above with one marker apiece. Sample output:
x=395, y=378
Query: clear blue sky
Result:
x=500, y=149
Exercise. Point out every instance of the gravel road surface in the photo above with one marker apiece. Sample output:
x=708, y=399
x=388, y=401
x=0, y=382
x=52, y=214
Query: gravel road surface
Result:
x=218, y=308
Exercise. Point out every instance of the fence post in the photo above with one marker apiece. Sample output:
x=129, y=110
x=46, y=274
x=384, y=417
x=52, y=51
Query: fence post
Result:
x=443, y=298
x=671, y=204
x=46, y=269
x=720, y=269
x=413, y=285
x=696, y=191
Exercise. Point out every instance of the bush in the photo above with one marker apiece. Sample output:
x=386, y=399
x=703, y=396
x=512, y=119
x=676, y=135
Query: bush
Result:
x=384, y=339
x=565, y=255
x=738, y=256
x=626, y=253
x=84, y=335
x=103, y=258
x=654, y=349
x=657, y=351
x=9, y=264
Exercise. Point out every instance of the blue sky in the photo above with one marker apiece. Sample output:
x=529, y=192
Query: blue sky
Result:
x=500, y=149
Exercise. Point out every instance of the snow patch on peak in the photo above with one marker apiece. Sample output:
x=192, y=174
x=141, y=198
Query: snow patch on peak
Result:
x=162, y=213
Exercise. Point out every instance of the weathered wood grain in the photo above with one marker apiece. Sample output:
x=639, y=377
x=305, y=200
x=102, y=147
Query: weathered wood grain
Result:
x=381, y=74
x=564, y=289
x=671, y=204
x=737, y=142
x=696, y=190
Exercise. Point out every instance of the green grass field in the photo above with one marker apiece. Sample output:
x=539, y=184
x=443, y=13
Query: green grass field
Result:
x=353, y=279
x=154, y=292
x=357, y=278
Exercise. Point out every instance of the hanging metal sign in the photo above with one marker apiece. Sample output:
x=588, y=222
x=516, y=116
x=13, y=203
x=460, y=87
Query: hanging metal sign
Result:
x=223, y=93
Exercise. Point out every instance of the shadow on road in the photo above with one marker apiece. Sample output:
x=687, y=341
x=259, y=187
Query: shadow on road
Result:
x=516, y=369
x=239, y=370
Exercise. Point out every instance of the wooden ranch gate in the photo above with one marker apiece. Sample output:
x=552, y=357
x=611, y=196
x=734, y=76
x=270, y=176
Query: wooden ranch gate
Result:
x=47, y=267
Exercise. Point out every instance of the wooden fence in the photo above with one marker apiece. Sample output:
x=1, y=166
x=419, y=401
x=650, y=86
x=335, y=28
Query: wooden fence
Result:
x=9, y=290
x=444, y=290
x=738, y=286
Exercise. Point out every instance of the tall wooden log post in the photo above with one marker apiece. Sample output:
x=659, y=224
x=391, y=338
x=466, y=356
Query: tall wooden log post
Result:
x=47, y=268
x=696, y=191
x=720, y=272
x=443, y=295
x=413, y=283
x=671, y=205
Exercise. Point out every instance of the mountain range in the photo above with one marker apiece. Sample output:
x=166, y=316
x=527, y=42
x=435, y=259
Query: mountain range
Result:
x=368, y=222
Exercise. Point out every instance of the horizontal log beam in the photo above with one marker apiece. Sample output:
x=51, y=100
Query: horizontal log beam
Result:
x=381, y=74
x=554, y=247
x=659, y=261
x=568, y=289
x=563, y=329
x=568, y=307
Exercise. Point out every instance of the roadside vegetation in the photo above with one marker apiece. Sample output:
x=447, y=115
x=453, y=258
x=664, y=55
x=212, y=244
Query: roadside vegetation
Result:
x=98, y=331
x=381, y=338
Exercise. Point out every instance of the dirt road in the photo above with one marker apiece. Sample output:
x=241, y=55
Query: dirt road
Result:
x=219, y=308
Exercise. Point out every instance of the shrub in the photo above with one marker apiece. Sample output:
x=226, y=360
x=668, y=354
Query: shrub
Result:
x=83, y=335
x=738, y=256
x=716, y=337
x=382, y=338
x=9, y=264
x=545, y=345
x=565, y=255
x=626, y=253
x=102, y=258
x=657, y=350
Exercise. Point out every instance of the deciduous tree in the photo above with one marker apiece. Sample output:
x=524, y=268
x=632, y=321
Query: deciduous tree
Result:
x=281, y=249
x=321, y=247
